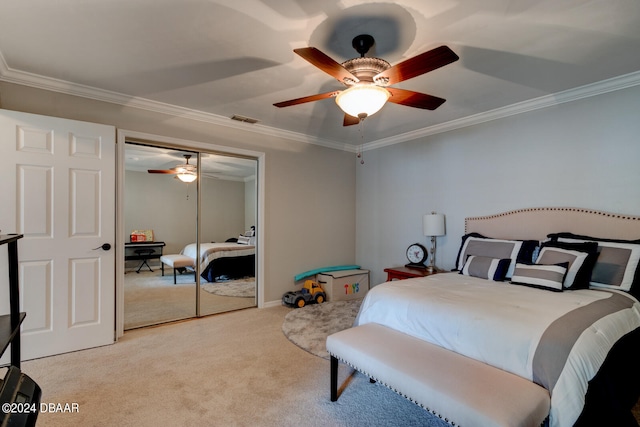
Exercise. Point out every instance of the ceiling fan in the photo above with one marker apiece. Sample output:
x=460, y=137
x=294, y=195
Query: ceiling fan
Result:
x=185, y=172
x=368, y=79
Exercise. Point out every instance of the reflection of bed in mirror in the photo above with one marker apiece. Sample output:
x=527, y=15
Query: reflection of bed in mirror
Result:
x=223, y=261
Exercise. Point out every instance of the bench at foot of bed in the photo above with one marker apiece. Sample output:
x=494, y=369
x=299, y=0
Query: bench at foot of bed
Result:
x=462, y=391
x=177, y=262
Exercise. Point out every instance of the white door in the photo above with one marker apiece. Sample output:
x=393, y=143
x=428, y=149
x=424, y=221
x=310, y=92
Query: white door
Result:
x=58, y=189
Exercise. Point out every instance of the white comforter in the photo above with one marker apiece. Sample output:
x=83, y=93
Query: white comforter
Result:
x=503, y=324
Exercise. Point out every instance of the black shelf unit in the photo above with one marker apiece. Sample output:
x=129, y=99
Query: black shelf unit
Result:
x=10, y=323
x=16, y=387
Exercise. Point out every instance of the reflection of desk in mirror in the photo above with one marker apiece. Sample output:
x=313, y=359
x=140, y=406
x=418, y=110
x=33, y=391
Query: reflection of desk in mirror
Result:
x=143, y=251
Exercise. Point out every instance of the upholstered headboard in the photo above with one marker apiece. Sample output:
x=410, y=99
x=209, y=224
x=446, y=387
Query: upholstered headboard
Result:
x=536, y=223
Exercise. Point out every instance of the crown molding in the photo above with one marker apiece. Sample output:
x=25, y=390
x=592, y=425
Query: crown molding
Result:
x=10, y=75
x=586, y=91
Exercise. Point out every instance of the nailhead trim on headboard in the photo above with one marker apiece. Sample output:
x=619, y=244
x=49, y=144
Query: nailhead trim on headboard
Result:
x=581, y=210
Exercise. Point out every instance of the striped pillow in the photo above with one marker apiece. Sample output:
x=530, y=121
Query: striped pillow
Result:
x=617, y=266
x=486, y=268
x=542, y=276
x=556, y=256
x=476, y=244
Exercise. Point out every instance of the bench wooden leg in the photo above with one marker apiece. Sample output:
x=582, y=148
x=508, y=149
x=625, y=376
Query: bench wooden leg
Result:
x=334, y=379
x=174, y=276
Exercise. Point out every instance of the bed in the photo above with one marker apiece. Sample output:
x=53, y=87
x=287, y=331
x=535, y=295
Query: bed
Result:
x=223, y=261
x=543, y=293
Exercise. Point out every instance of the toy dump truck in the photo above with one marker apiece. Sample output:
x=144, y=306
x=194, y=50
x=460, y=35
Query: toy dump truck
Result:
x=311, y=292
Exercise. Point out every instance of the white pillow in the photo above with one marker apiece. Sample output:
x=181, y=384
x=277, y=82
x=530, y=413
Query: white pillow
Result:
x=616, y=264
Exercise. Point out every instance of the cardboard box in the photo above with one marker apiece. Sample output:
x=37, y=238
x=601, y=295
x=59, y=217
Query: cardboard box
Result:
x=345, y=284
x=141, y=236
x=137, y=237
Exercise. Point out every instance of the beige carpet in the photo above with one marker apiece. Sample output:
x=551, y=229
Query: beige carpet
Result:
x=232, y=369
x=150, y=299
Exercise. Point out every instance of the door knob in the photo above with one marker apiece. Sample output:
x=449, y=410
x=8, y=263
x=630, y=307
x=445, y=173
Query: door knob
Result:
x=105, y=247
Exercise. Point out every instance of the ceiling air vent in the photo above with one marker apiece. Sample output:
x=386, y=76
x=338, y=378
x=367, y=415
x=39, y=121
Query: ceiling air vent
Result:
x=244, y=119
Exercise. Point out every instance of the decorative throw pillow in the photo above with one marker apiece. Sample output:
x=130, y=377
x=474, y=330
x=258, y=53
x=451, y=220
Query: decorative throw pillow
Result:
x=486, y=268
x=541, y=276
x=583, y=275
x=618, y=263
x=550, y=255
x=476, y=244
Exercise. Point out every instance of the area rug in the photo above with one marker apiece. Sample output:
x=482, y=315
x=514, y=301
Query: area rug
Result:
x=308, y=327
x=244, y=288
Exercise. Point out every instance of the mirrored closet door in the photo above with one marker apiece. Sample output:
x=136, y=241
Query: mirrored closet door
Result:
x=227, y=227
x=188, y=217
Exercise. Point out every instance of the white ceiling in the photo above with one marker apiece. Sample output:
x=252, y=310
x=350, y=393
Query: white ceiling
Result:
x=214, y=58
x=141, y=158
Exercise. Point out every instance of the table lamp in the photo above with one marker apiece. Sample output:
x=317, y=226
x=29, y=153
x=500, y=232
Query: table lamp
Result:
x=433, y=225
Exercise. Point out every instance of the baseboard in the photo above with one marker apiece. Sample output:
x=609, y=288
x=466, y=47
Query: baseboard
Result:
x=275, y=303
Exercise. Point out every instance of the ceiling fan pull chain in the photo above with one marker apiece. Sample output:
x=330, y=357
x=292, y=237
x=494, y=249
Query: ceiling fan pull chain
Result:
x=360, y=154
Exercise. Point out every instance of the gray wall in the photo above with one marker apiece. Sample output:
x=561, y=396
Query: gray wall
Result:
x=579, y=154
x=302, y=180
x=250, y=199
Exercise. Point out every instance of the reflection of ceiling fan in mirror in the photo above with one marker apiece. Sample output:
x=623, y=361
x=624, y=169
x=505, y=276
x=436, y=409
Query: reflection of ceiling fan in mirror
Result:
x=368, y=80
x=185, y=172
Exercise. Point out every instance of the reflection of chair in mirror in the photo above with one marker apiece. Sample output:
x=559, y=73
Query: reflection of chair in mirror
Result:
x=144, y=255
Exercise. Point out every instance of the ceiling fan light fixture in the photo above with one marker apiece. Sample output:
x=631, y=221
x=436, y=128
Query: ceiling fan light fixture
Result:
x=362, y=100
x=187, y=176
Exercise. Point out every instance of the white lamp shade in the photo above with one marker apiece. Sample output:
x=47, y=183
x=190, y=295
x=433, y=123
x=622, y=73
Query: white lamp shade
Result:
x=187, y=176
x=362, y=100
x=433, y=224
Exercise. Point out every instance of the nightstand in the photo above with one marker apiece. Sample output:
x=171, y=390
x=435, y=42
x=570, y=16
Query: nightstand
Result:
x=400, y=273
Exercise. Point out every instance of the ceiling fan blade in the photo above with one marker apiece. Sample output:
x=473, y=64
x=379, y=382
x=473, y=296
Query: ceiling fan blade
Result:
x=325, y=63
x=420, y=64
x=165, y=171
x=350, y=120
x=311, y=98
x=414, y=99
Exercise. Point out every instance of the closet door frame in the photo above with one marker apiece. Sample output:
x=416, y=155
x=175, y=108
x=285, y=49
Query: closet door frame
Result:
x=124, y=136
